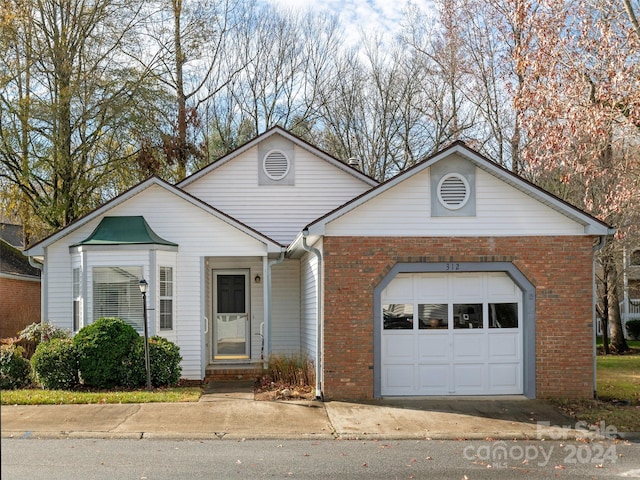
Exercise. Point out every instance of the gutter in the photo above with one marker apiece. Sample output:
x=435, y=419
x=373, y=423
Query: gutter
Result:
x=318, y=254
x=271, y=263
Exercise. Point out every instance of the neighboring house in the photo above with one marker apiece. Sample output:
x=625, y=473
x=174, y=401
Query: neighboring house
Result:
x=19, y=291
x=455, y=277
x=630, y=305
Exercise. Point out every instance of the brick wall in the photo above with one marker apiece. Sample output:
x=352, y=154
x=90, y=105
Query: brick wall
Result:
x=19, y=305
x=559, y=267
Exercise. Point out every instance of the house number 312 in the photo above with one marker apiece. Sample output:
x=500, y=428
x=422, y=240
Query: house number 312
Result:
x=452, y=267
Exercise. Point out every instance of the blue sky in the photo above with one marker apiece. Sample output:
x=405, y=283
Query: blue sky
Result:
x=355, y=14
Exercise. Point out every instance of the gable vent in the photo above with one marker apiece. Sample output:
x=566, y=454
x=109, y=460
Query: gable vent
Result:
x=276, y=165
x=453, y=191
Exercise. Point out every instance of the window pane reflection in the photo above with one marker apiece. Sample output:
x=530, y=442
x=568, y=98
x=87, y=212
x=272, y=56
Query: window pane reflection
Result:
x=503, y=315
x=433, y=316
x=467, y=315
x=398, y=316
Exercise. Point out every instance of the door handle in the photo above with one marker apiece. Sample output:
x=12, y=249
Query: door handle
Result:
x=206, y=325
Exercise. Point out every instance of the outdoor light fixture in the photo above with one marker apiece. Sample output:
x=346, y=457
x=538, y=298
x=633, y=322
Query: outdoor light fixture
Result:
x=143, y=289
x=257, y=279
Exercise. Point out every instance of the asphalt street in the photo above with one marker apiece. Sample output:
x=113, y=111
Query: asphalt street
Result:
x=125, y=459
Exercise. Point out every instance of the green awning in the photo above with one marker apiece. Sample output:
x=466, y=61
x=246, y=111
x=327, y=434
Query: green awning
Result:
x=124, y=231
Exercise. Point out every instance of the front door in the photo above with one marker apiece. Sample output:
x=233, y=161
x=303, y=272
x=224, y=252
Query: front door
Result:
x=231, y=314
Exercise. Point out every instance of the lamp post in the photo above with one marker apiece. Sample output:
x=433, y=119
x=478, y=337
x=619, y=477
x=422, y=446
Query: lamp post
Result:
x=143, y=289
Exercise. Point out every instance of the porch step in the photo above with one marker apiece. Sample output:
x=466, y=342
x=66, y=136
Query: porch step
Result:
x=233, y=372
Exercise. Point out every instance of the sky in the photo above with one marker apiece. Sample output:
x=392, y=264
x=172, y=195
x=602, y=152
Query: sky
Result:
x=365, y=14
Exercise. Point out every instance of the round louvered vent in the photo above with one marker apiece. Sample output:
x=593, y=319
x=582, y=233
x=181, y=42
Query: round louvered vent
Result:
x=276, y=165
x=453, y=191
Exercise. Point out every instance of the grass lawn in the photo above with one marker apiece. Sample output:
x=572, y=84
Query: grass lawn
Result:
x=60, y=397
x=618, y=389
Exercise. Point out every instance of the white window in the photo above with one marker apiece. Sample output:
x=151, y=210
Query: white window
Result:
x=77, y=300
x=116, y=294
x=166, y=298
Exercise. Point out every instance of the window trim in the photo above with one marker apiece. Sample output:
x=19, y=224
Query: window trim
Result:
x=166, y=298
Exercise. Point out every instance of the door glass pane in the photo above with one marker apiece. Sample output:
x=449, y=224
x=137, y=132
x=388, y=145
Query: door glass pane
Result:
x=503, y=315
x=398, y=316
x=467, y=315
x=433, y=316
x=231, y=334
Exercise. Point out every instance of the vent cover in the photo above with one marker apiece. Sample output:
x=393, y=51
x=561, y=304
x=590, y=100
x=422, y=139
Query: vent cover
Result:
x=276, y=165
x=453, y=191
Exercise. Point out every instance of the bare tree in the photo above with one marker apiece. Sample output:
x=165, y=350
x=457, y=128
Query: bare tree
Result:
x=66, y=103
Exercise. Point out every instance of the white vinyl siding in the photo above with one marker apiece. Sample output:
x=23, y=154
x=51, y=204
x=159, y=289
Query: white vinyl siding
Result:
x=279, y=212
x=309, y=297
x=405, y=210
x=285, y=307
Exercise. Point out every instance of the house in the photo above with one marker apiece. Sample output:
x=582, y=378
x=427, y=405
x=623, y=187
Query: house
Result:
x=630, y=305
x=456, y=277
x=19, y=289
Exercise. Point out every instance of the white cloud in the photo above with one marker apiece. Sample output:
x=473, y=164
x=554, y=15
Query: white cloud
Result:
x=368, y=15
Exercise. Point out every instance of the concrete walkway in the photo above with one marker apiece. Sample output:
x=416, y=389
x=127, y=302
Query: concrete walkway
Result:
x=232, y=413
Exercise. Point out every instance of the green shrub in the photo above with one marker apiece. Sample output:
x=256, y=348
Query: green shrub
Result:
x=102, y=349
x=15, y=370
x=55, y=364
x=42, y=332
x=164, y=361
x=633, y=327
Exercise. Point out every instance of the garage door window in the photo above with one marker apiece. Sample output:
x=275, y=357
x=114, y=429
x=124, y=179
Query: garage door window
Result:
x=503, y=315
x=398, y=316
x=433, y=316
x=467, y=315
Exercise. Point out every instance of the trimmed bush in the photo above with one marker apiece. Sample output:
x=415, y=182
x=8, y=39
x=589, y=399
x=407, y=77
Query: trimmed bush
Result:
x=31, y=335
x=55, y=364
x=15, y=370
x=102, y=349
x=633, y=327
x=164, y=361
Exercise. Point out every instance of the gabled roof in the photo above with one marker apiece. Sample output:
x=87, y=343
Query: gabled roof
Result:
x=38, y=248
x=124, y=231
x=294, y=139
x=592, y=225
x=14, y=263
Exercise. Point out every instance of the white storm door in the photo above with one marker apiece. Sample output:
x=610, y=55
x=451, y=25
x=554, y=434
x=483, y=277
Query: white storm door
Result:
x=231, y=315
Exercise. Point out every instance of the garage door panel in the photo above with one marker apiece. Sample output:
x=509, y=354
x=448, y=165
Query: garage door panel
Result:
x=399, y=380
x=504, y=347
x=398, y=348
x=433, y=379
x=432, y=287
x=467, y=287
x=468, y=347
x=505, y=378
x=433, y=348
x=400, y=288
x=500, y=285
x=469, y=378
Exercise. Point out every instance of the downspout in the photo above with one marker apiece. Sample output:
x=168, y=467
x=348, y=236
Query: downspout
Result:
x=43, y=296
x=602, y=241
x=271, y=263
x=316, y=252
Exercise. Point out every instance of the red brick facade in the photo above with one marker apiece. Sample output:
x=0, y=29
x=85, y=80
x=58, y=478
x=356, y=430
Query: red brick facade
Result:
x=19, y=305
x=559, y=267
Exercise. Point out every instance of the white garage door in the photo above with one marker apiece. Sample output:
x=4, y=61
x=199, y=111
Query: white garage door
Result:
x=452, y=334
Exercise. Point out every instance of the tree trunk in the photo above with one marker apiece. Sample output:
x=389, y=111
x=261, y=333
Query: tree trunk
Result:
x=618, y=342
x=181, y=147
